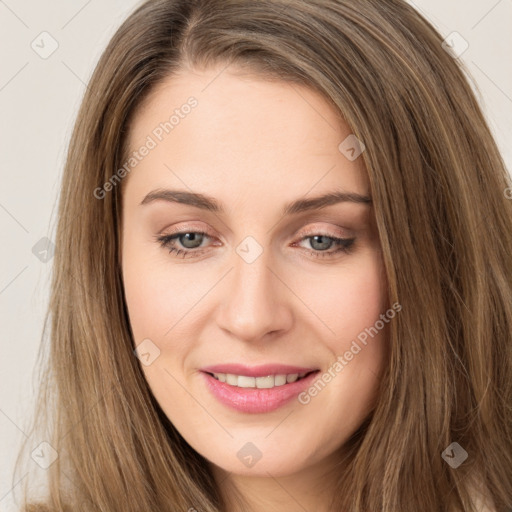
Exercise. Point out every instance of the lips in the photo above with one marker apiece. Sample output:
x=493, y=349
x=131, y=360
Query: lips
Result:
x=254, y=398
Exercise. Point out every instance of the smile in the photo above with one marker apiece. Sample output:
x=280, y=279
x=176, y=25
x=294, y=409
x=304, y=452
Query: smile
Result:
x=260, y=393
x=267, y=382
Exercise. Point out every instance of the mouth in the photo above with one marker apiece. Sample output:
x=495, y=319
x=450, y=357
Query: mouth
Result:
x=260, y=393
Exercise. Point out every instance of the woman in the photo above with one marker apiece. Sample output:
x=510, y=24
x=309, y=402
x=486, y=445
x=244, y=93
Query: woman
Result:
x=283, y=276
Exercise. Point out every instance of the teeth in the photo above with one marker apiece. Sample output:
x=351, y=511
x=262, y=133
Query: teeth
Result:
x=280, y=380
x=264, y=382
x=231, y=379
x=245, y=382
x=270, y=381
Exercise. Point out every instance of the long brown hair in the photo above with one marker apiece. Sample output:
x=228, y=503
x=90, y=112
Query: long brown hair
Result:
x=438, y=186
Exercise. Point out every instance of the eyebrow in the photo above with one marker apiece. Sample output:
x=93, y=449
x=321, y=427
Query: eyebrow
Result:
x=210, y=204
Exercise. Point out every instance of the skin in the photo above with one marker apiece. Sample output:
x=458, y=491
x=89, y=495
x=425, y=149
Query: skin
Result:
x=254, y=145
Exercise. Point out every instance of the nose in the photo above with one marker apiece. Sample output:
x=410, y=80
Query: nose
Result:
x=255, y=301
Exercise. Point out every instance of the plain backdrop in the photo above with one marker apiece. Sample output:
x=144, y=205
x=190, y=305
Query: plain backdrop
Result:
x=39, y=98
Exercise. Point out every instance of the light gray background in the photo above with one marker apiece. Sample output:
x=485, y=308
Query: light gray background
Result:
x=39, y=99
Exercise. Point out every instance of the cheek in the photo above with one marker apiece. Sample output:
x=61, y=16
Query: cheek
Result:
x=351, y=305
x=156, y=296
x=149, y=302
x=349, y=300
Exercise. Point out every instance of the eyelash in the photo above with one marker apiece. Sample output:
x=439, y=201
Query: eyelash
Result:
x=344, y=244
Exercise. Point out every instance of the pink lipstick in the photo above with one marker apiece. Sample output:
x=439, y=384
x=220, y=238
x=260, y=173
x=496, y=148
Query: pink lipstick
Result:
x=257, y=389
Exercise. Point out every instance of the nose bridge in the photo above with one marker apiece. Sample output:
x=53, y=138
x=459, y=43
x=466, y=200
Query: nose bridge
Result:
x=252, y=280
x=253, y=304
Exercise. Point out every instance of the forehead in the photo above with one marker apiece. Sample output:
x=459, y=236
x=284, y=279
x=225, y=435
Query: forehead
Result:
x=243, y=132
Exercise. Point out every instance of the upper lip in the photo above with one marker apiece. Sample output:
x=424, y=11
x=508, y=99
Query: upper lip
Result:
x=257, y=371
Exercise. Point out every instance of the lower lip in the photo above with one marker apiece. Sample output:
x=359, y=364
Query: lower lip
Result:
x=256, y=400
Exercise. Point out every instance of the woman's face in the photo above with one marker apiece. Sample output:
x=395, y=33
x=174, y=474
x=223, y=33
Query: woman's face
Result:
x=267, y=292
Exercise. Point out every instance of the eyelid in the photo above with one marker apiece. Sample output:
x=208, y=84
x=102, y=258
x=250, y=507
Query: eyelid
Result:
x=315, y=230
x=188, y=228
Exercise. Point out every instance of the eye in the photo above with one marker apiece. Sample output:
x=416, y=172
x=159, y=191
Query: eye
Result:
x=191, y=241
x=322, y=243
